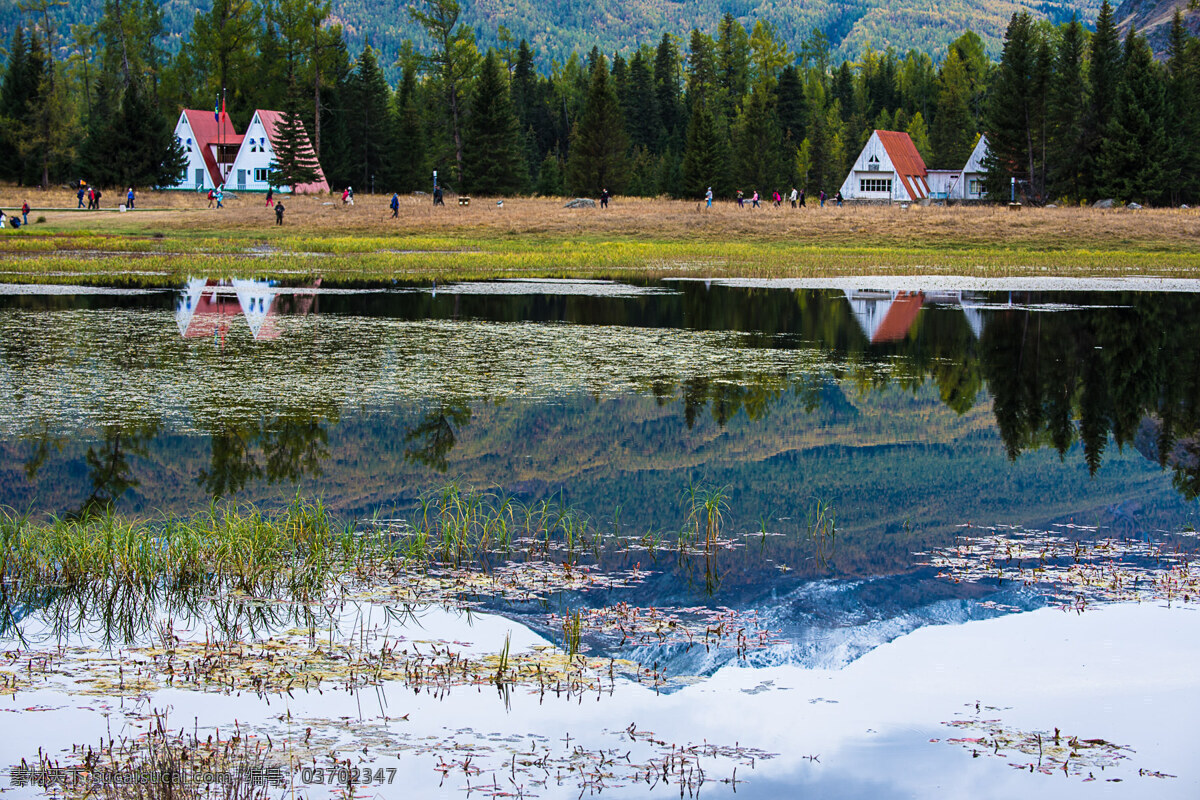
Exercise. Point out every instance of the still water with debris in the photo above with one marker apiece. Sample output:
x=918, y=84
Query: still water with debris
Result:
x=956, y=552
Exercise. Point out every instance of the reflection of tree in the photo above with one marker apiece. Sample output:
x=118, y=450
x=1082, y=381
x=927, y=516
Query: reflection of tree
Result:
x=435, y=435
x=280, y=448
x=108, y=466
x=1058, y=378
x=46, y=441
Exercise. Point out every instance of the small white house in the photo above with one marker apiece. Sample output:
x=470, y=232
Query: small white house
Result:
x=889, y=169
x=211, y=145
x=974, y=173
x=253, y=164
x=961, y=184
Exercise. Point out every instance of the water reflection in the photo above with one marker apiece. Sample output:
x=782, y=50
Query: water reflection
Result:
x=387, y=389
x=206, y=308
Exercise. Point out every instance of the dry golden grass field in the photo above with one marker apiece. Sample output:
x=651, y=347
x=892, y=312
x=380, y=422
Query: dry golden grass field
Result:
x=540, y=236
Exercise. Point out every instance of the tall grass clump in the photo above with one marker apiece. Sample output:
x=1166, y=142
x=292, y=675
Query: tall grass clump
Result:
x=454, y=524
x=298, y=551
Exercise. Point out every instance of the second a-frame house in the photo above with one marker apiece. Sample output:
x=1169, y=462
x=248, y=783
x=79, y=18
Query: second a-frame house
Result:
x=254, y=159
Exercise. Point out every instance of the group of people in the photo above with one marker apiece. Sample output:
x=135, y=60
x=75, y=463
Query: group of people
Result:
x=797, y=198
x=91, y=194
x=14, y=220
x=217, y=196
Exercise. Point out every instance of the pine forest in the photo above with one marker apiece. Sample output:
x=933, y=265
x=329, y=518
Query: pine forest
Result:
x=1071, y=114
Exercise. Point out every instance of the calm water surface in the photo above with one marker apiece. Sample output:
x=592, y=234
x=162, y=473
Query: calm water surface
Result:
x=907, y=414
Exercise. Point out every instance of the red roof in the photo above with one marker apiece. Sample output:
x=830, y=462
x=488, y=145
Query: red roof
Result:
x=906, y=161
x=206, y=130
x=901, y=315
x=271, y=121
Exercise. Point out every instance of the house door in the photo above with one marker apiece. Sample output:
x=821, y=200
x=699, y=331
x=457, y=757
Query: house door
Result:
x=242, y=179
x=200, y=178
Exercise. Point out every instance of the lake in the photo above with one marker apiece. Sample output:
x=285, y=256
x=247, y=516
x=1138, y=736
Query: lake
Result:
x=885, y=540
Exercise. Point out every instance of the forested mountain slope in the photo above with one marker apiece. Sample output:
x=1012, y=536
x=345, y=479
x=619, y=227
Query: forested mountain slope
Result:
x=1153, y=18
x=557, y=28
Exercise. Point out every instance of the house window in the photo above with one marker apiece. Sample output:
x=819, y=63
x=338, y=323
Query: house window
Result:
x=975, y=186
x=873, y=163
x=866, y=185
x=260, y=174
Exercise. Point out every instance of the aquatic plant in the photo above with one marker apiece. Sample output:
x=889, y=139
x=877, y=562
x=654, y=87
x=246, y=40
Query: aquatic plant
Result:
x=297, y=552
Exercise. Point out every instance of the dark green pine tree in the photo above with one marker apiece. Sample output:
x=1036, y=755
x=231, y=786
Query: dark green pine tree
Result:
x=791, y=104
x=370, y=125
x=757, y=144
x=17, y=96
x=102, y=140
x=1068, y=155
x=550, y=176
x=705, y=160
x=493, y=163
x=667, y=92
x=733, y=63
x=953, y=135
x=1132, y=161
x=702, y=84
x=1016, y=109
x=640, y=106
x=1183, y=148
x=295, y=163
x=152, y=155
x=599, y=155
x=1104, y=73
x=408, y=165
x=842, y=91
x=131, y=144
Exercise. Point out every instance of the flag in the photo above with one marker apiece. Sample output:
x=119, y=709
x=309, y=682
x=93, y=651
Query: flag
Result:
x=216, y=110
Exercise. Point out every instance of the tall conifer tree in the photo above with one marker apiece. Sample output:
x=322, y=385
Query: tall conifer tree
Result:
x=598, y=157
x=492, y=158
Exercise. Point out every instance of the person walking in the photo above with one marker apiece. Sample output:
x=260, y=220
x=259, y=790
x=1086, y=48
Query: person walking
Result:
x=221, y=196
x=777, y=199
x=279, y=213
x=91, y=198
x=25, y=213
x=212, y=197
x=604, y=195
x=96, y=195
x=346, y=196
x=81, y=193
x=130, y=198
x=838, y=198
x=708, y=198
x=754, y=199
x=792, y=197
x=802, y=198
x=270, y=196
x=822, y=198
x=741, y=199
x=395, y=205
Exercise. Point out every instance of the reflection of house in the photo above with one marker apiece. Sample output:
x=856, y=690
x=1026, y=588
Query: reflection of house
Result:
x=961, y=184
x=888, y=316
x=889, y=168
x=208, y=308
x=218, y=155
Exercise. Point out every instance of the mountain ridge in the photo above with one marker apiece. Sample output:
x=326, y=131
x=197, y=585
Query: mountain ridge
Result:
x=555, y=30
